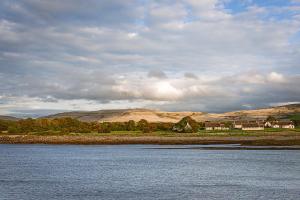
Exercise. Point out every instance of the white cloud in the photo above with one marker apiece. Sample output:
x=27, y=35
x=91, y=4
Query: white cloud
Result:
x=276, y=77
x=132, y=35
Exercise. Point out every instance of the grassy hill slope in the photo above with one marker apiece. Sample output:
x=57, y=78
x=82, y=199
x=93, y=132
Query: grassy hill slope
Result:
x=122, y=115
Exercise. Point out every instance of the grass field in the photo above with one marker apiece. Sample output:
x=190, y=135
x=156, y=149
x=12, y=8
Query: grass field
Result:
x=201, y=133
x=294, y=117
x=268, y=137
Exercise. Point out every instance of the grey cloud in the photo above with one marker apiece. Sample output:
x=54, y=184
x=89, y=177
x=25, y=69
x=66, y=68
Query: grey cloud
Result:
x=89, y=12
x=190, y=75
x=157, y=74
x=101, y=51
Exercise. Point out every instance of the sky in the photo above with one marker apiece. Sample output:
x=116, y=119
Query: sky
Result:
x=172, y=55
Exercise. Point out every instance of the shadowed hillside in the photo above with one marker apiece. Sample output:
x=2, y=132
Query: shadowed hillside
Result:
x=8, y=118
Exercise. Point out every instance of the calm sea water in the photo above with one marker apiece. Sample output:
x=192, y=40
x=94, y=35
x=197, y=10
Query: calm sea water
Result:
x=146, y=172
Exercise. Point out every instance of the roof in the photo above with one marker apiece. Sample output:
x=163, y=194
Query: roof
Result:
x=283, y=123
x=252, y=125
x=240, y=122
x=214, y=124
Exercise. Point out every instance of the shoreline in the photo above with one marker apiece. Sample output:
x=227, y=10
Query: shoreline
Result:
x=159, y=140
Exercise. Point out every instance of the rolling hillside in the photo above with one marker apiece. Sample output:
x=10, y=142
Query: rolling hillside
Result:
x=123, y=115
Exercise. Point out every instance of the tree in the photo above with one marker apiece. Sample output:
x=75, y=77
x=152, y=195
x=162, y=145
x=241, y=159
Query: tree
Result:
x=143, y=125
x=104, y=127
x=201, y=125
x=27, y=125
x=162, y=126
x=14, y=129
x=3, y=125
x=271, y=119
x=186, y=125
x=130, y=125
x=228, y=124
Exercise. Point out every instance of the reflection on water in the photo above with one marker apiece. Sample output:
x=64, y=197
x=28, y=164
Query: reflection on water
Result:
x=147, y=172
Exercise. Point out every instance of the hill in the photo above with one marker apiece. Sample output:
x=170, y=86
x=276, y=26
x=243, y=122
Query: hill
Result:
x=278, y=112
x=8, y=118
x=122, y=115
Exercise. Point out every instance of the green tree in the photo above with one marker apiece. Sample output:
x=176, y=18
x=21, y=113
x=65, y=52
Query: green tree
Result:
x=3, y=125
x=14, y=129
x=130, y=125
x=104, y=127
x=186, y=125
x=271, y=119
x=143, y=126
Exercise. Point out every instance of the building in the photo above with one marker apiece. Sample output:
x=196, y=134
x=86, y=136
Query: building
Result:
x=268, y=124
x=283, y=124
x=209, y=126
x=252, y=127
x=221, y=126
x=237, y=124
x=215, y=126
x=186, y=128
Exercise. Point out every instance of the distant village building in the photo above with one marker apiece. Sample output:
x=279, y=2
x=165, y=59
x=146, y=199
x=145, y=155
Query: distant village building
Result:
x=209, y=126
x=252, y=126
x=237, y=124
x=283, y=124
x=268, y=124
x=215, y=126
x=186, y=128
x=287, y=125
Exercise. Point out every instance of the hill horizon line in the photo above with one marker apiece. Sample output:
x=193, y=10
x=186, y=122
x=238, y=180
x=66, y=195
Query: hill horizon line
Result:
x=156, y=115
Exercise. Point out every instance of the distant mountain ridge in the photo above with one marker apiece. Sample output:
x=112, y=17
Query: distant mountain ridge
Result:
x=8, y=118
x=122, y=115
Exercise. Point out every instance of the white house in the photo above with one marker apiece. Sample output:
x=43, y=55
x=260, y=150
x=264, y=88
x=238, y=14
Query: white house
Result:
x=284, y=124
x=268, y=124
x=237, y=124
x=252, y=127
x=215, y=126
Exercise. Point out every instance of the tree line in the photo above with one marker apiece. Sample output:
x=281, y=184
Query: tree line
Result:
x=70, y=125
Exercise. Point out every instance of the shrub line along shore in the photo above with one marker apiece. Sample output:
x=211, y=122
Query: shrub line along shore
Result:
x=278, y=140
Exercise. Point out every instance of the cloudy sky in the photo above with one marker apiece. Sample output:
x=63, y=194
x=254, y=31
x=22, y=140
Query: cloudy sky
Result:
x=174, y=55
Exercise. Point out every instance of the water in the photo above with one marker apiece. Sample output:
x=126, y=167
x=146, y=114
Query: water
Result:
x=146, y=172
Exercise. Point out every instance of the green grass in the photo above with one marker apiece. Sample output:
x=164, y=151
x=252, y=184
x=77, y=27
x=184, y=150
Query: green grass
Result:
x=295, y=117
x=201, y=133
